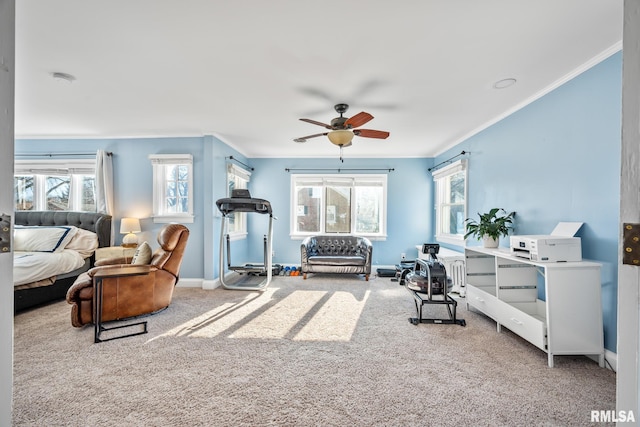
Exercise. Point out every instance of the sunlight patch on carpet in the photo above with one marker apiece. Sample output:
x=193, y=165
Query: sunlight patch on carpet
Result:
x=279, y=320
x=224, y=317
x=302, y=315
x=336, y=320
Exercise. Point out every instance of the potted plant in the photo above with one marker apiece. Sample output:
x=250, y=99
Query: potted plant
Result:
x=491, y=226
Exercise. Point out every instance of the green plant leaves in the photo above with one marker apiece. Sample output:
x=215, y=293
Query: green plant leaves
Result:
x=495, y=223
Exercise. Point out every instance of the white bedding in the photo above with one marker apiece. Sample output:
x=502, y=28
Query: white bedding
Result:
x=34, y=266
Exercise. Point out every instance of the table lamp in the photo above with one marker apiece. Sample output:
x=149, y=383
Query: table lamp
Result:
x=129, y=226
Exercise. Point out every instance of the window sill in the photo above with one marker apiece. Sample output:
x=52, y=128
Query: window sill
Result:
x=377, y=237
x=451, y=240
x=165, y=219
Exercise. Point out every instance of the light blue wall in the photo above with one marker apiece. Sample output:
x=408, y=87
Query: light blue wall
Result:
x=217, y=155
x=409, y=210
x=558, y=159
x=133, y=187
x=409, y=204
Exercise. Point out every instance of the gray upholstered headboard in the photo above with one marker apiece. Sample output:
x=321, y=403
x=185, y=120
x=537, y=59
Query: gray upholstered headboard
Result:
x=99, y=223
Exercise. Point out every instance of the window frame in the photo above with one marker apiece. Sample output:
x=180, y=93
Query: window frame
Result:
x=327, y=179
x=40, y=169
x=439, y=178
x=160, y=164
x=243, y=176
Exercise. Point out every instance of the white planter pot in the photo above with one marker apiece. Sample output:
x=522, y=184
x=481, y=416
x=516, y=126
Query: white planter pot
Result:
x=489, y=242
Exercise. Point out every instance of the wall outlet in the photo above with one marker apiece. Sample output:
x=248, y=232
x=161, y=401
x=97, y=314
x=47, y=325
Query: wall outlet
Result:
x=403, y=255
x=273, y=254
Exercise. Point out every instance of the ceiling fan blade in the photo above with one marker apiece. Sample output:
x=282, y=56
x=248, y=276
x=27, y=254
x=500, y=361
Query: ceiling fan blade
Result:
x=304, y=138
x=313, y=122
x=316, y=92
x=358, y=120
x=370, y=133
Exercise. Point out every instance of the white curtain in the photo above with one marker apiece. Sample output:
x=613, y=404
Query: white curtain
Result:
x=104, y=185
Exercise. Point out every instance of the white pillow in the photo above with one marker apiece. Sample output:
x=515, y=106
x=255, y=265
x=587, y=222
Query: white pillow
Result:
x=42, y=238
x=142, y=254
x=85, y=242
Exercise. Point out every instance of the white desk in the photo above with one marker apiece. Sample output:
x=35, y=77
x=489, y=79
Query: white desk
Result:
x=505, y=288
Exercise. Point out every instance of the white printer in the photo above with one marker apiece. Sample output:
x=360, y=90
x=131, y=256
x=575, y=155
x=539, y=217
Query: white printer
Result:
x=559, y=246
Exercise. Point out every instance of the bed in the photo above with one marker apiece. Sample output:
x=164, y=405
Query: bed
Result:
x=72, y=251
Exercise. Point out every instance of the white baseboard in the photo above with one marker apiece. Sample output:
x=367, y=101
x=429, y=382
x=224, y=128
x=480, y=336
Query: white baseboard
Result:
x=210, y=284
x=611, y=360
x=207, y=284
x=189, y=283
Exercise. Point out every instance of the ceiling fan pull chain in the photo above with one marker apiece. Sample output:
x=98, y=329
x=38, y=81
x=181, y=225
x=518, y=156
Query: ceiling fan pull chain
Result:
x=341, y=159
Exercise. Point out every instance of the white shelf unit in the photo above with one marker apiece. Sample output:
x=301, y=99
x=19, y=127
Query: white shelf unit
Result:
x=567, y=322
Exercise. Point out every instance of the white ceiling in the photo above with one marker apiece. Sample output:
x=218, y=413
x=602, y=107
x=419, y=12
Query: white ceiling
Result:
x=247, y=70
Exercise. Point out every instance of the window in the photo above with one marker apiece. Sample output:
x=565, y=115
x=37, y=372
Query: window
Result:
x=54, y=185
x=340, y=204
x=451, y=202
x=172, y=187
x=237, y=178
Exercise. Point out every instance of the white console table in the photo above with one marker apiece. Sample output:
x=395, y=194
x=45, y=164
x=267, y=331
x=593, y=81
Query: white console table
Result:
x=505, y=288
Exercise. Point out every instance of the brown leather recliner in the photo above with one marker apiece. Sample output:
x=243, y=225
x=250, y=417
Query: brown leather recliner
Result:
x=130, y=296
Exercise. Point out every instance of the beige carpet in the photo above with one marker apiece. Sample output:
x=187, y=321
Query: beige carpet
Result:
x=327, y=351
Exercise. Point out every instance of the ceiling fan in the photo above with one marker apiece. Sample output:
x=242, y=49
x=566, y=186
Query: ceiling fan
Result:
x=343, y=129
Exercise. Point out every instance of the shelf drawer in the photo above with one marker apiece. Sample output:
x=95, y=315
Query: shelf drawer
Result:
x=524, y=319
x=481, y=299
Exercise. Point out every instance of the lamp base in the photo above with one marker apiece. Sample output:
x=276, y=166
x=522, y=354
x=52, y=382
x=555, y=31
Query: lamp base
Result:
x=130, y=241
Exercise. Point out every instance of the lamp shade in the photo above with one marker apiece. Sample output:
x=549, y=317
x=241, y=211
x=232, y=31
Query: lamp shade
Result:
x=130, y=225
x=340, y=136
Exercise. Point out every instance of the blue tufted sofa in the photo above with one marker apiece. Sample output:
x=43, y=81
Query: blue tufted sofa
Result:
x=336, y=254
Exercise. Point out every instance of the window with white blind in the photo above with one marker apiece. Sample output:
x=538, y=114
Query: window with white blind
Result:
x=172, y=187
x=451, y=202
x=237, y=178
x=54, y=185
x=339, y=204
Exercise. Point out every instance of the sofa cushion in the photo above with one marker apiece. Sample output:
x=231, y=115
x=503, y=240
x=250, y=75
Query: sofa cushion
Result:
x=336, y=260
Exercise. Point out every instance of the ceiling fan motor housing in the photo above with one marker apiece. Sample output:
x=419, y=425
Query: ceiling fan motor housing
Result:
x=338, y=122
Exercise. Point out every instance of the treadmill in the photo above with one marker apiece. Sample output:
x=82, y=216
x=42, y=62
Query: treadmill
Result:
x=241, y=201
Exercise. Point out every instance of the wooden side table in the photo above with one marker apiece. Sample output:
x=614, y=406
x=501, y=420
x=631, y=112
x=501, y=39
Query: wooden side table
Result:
x=98, y=279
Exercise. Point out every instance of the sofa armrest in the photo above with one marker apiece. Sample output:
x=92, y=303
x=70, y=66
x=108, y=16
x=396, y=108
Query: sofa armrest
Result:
x=367, y=249
x=85, y=280
x=113, y=261
x=123, y=270
x=304, y=251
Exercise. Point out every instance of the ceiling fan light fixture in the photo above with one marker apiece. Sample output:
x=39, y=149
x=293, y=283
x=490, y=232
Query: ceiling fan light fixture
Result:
x=340, y=136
